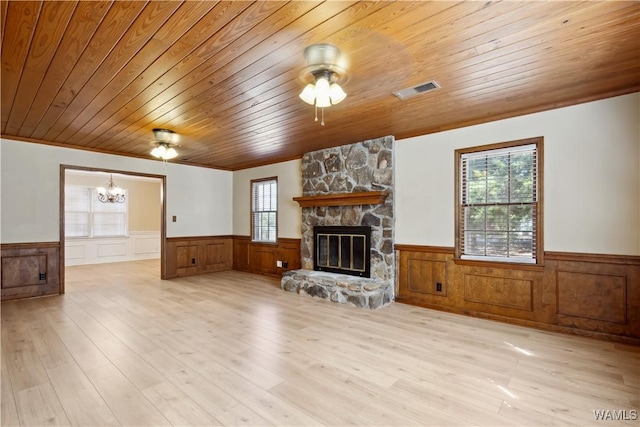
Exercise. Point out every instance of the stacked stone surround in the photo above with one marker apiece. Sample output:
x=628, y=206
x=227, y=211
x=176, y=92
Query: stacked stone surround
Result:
x=360, y=167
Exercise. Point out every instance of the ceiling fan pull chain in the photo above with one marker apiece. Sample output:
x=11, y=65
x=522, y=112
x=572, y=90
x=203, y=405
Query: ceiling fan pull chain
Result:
x=316, y=113
x=322, y=122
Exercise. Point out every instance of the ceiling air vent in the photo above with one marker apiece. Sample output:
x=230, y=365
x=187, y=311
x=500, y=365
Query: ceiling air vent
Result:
x=416, y=90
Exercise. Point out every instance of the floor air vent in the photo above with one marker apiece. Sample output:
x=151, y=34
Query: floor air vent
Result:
x=416, y=90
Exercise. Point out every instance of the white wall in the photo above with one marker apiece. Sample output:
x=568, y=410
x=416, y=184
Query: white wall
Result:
x=591, y=177
x=201, y=198
x=289, y=186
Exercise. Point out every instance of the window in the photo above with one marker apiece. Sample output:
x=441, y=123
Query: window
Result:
x=77, y=210
x=264, y=210
x=499, y=202
x=85, y=216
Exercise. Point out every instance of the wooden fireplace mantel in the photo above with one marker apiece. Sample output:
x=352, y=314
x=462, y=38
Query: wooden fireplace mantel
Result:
x=343, y=199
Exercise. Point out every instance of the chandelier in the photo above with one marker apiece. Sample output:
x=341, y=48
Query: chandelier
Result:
x=111, y=194
x=164, y=144
x=324, y=69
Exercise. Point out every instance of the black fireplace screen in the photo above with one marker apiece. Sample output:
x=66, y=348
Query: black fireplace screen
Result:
x=343, y=250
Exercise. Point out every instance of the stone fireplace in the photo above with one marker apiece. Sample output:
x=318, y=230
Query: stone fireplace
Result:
x=347, y=186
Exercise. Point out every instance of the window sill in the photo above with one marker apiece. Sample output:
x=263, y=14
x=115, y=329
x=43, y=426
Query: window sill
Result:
x=98, y=238
x=262, y=242
x=499, y=264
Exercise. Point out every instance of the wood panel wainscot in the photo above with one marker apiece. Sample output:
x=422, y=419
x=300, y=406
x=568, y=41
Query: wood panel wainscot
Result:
x=30, y=270
x=262, y=258
x=585, y=294
x=187, y=256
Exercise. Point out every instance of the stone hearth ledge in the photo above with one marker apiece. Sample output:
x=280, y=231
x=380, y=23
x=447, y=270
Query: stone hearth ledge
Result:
x=342, y=288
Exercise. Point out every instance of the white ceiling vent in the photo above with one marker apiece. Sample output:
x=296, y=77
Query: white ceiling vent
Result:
x=416, y=90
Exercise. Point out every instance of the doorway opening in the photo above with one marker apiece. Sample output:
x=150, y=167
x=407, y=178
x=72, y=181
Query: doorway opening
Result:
x=100, y=233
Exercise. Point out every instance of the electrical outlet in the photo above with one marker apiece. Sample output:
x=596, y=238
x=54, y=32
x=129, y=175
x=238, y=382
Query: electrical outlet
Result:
x=438, y=287
x=42, y=276
x=285, y=264
x=193, y=260
x=279, y=264
x=174, y=218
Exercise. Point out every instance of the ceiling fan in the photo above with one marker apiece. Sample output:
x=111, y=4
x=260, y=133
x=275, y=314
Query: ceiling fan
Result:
x=164, y=145
x=325, y=68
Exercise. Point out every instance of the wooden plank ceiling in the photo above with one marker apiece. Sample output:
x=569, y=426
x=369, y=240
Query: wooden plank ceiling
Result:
x=100, y=75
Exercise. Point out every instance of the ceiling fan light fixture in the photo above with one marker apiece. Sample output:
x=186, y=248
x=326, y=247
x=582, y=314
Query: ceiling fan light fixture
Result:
x=337, y=94
x=308, y=94
x=324, y=65
x=323, y=93
x=165, y=140
x=171, y=154
x=164, y=151
x=159, y=151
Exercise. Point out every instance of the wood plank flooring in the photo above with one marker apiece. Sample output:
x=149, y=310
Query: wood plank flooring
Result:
x=123, y=347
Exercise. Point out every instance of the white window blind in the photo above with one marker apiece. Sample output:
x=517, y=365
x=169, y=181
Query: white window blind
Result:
x=77, y=210
x=264, y=210
x=109, y=219
x=86, y=216
x=498, y=204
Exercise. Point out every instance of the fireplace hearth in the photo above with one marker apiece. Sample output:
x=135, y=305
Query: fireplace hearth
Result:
x=342, y=249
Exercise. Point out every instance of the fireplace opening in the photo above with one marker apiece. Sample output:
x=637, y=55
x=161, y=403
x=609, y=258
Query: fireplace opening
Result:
x=342, y=249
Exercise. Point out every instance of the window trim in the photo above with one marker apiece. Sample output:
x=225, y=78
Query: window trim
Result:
x=539, y=241
x=251, y=211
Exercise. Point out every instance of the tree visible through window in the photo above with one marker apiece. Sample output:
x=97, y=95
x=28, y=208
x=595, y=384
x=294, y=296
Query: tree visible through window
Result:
x=499, y=202
x=264, y=210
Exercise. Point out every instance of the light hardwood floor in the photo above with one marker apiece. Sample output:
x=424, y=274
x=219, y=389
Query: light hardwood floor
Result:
x=123, y=347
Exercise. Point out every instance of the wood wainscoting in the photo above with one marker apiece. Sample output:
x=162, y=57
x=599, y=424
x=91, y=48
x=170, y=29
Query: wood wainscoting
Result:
x=30, y=270
x=261, y=258
x=186, y=256
x=585, y=294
